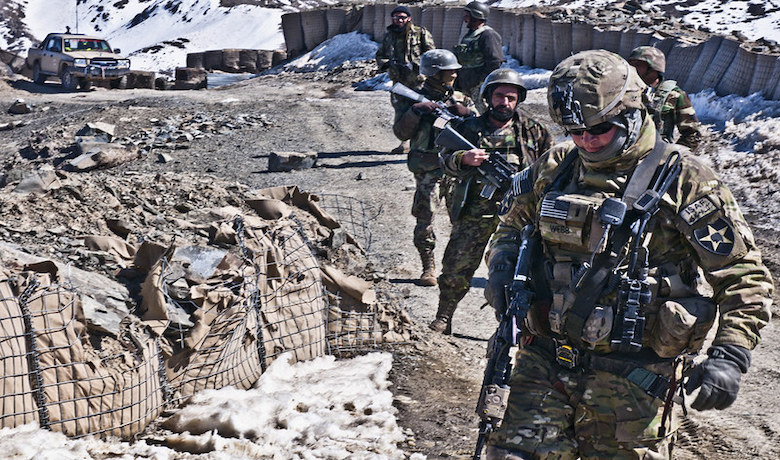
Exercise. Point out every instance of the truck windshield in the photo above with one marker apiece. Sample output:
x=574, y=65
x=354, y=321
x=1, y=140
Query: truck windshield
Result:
x=86, y=44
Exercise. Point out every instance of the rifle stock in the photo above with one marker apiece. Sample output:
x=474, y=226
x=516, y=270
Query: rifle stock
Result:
x=494, y=394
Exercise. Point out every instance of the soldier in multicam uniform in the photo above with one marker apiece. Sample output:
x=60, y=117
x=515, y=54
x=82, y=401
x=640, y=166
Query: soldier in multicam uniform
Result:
x=520, y=139
x=479, y=52
x=400, y=53
x=669, y=105
x=572, y=396
x=416, y=123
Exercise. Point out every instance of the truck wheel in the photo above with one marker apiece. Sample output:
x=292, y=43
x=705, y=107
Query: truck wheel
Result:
x=38, y=77
x=85, y=84
x=119, y=83
x=69, y=81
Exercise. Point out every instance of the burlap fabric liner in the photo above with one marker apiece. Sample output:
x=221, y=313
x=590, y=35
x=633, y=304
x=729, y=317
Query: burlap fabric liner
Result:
x=83, y=393
x=120, y=394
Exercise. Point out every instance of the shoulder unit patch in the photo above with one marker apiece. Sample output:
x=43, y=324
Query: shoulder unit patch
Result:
x=716, y=237
x=697, y=210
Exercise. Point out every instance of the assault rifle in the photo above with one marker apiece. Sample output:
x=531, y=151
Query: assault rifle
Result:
x=441, y=111
x=495, y=169
x=494, y=394
x=634, y=292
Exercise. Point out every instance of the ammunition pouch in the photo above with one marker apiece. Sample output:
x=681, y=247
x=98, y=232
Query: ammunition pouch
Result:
x=570, y=220
x=680, y=325
x=420, y=162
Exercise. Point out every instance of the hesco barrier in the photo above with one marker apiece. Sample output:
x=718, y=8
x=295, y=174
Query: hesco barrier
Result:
x=534, y=40
x=210, y=316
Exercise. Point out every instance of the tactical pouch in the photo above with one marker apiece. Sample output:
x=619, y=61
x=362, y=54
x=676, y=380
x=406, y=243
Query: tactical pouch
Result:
x=420, y=162
x=598, y=326
x=570, y=220
x=681, y=325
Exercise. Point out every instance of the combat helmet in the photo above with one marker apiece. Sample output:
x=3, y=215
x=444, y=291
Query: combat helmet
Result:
x=503, y=76
x=477, y=10
x=592, y=87
x=654, y=57
x=433, y=61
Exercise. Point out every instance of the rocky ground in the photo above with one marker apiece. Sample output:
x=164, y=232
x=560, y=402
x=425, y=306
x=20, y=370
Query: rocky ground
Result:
x=203, y=148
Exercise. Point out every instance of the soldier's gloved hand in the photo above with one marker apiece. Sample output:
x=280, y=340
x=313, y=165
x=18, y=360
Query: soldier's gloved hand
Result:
x=499, y=276
x=718, y=377
x=459, y=110
x=424, y=107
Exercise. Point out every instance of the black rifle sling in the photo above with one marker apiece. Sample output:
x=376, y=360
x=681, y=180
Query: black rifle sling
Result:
x=592, y=285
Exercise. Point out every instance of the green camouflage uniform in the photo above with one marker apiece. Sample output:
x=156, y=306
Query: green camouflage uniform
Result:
x=554, y=412
x=675, y=110
x=423, y=159
x=479, y=52
x=400, y=48
x=473, y=217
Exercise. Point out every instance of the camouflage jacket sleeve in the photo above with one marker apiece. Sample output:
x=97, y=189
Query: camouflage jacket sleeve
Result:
x=406, y=120
x=722, y=244
x=492, y=50
x=685, y=119
x=537, y=137
x=384, y=53
x=427, y=42
x=451, y=159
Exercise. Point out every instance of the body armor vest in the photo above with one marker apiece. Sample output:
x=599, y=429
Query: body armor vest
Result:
x=468, y=52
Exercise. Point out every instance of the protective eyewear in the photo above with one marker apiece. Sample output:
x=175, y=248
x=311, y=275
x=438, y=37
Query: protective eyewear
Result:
x=400, y=17
x=597, y=130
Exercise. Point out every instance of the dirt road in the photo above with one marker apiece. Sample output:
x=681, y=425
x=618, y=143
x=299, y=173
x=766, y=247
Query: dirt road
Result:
x=436, y=379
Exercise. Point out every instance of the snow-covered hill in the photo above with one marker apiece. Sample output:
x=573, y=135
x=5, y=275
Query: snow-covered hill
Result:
x=156, y=34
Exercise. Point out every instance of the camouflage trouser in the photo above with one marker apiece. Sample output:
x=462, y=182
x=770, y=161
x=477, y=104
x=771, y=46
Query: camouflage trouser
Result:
x=425, y=197
x=465, y=249
x=554, y=413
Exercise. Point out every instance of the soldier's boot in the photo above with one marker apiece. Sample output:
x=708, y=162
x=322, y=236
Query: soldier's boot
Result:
x=403, y=147
x=428, y=277
x=443, y=322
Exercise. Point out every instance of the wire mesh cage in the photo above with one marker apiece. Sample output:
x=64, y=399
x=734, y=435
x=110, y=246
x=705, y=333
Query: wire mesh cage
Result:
x=354, y=215
x=212, y=315
x=55, y=375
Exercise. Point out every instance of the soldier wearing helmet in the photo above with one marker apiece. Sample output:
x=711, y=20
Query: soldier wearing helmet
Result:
x=517, y=137
x=588, y=382
x=479, y=51
x=399, y=55
x=414, y=121
x=668, y=104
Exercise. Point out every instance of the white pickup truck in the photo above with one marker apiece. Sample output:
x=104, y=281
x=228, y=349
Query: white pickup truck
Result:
x=78, y=60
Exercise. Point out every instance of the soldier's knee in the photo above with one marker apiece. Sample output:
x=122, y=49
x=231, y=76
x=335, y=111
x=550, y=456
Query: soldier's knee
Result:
x=499, y=453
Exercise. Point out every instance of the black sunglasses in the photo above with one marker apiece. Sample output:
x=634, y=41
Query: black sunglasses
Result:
x=597, y=130
x=400, y=18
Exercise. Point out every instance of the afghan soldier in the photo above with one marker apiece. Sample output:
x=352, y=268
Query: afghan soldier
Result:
x=520, y=140
x=479, y=52
x=416, y=123
x=400, y=53
x=669, y=105
x=603, y=346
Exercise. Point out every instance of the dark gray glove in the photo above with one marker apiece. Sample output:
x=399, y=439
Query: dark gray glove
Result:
x=501, y=270
x=718, y=376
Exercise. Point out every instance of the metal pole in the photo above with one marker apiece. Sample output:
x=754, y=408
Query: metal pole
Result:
x=77, y=16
